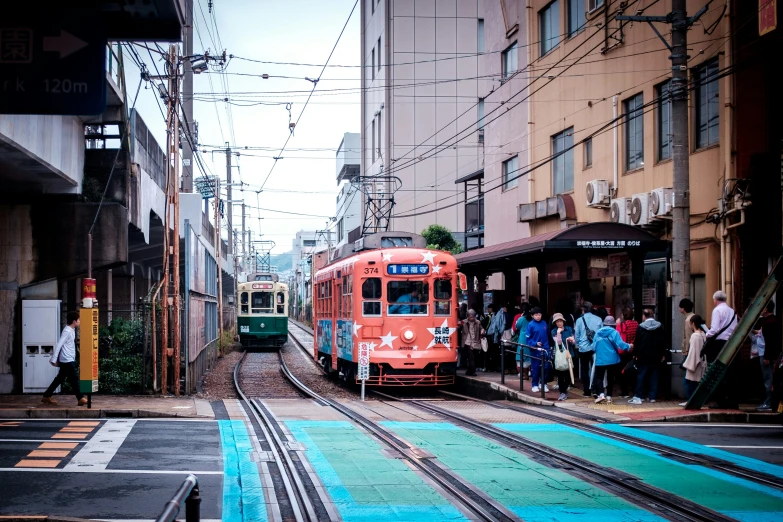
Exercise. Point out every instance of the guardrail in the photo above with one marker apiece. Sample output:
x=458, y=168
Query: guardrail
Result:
x=543, y=358
x=189, y=494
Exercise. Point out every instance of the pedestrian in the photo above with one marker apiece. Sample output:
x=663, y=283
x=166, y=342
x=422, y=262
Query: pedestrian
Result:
x=586, y=327
x=490, y=357
x=64, y=356
x=723, y=323
x=472, y=332
x=563, y=337
x=520, y=329
x=537, y=335
x=686, y=309
x=695, y=363
x=607, y=344
x=627, y=330
x=649, y=353
x=770, y=333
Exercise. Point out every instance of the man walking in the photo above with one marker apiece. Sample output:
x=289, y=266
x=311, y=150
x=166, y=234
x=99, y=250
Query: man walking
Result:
x=649, y=352
x=64, y=356
x=586, y=327
x=724, y=321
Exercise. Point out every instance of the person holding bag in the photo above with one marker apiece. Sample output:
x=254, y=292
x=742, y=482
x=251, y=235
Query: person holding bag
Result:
x=607, y=345
x=472, y=332
x=584, y=333
x=695, y=363
x=563, y=335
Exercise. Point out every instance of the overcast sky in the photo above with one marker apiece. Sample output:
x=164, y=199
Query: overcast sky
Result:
x=300, y=31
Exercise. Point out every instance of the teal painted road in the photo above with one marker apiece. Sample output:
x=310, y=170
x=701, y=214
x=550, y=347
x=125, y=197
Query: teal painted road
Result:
x=243, y=496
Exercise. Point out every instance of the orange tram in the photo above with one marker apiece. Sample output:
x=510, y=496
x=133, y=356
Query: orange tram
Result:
x=389, y=296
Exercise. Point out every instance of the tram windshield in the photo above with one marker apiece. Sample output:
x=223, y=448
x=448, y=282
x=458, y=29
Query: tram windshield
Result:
x=408, y=297
x=261, y=303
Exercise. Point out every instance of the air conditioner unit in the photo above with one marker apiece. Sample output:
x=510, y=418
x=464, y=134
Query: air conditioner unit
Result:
x=640, y=209
x=661, y=202
x=618, y=211
x=597, y=192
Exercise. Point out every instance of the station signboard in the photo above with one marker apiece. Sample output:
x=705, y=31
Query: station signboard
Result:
x=88, y=350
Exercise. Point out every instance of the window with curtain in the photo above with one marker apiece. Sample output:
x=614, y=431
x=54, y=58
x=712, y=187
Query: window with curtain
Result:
x=549, y=27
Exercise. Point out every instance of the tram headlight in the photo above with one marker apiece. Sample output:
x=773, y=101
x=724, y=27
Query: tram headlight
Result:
x=262, y=325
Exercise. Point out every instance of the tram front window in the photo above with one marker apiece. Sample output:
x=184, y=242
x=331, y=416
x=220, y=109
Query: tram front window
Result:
x=408, y=297
x=280, y=303
x=243, y=301
x=443, y=296
x=261, y=303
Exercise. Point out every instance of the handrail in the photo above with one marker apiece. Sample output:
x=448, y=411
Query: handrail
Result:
x=189, y=494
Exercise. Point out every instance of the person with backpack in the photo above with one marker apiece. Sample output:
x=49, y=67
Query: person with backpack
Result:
x=562, y=337
x=607, y=344
x=649, y=354
x=586, y=327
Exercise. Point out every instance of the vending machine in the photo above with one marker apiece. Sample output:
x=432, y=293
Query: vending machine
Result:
x=40, y=332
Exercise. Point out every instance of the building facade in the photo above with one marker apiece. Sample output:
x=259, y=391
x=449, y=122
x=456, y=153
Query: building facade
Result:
x=420, y=80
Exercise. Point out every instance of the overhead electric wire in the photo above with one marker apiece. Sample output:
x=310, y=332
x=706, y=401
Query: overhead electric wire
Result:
x=315, y=84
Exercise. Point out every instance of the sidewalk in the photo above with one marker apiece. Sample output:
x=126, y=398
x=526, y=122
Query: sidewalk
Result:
x=486, y=385
x=30, y=406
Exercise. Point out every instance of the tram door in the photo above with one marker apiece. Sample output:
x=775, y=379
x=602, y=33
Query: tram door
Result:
x=338, y=296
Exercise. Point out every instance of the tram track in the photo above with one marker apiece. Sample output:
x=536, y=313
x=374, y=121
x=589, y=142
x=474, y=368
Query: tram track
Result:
x=666, y=451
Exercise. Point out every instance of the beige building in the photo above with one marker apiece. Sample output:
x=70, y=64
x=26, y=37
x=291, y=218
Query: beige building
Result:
x=420, y=94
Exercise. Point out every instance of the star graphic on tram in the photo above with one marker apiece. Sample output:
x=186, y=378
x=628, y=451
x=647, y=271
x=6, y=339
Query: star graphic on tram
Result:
x=356, y=328
x=441, y=335
x=428, y=256
x=387, y=256
x=371, y=347
x=436, y=269
x=387, y=340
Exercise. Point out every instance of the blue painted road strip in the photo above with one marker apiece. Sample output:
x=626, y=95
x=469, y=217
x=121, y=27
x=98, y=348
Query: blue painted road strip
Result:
x=243, y=496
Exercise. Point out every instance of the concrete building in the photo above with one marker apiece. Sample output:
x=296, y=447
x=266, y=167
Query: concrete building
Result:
x=420, y=91
x=350, y=199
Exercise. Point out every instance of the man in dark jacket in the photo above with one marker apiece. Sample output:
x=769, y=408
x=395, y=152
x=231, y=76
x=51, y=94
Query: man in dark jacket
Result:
x=770, y=329
x=649, y=351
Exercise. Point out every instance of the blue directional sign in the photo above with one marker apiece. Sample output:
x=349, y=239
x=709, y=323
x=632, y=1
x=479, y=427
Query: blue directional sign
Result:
x=54, y=65
x=408, y=269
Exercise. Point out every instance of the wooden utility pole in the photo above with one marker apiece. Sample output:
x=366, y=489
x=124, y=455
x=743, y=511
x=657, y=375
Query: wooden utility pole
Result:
x=174, y=95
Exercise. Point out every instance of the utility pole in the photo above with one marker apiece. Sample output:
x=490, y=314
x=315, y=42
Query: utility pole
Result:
x=187, y=100
x=681, y=214
x=244, y=241
x=218, y=253
x=230, y=208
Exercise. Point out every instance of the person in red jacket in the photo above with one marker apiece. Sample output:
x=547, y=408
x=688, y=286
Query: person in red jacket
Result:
x=627, y=330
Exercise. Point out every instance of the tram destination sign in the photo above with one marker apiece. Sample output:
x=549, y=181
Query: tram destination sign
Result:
x=407, y=269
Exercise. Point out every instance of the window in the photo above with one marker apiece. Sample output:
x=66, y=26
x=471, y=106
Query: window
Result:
x=210, y=274
x=664, y=121
x=549, y=27
x=576, y=16
x=707, y=109
x=442, y=289
x=481, y=113
x=379, y=54
x=563, y=162
x=373, y=140
x=634, y=133
x=380, y=129
x=308, y=242
x=510, y=168
x=373, y=63
x=509, y=60
x=371, y=295
x=592, y=5
x=480, y=36
x=210, y=321
x=588, y=146
x=280, y=303
x=261, y=302
x=243, y=302
x=407, y=297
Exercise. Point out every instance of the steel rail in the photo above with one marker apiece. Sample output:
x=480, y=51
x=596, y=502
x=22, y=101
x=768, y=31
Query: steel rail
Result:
x=677, y=454
x=295, y=490
x=681, y=508
x=481, y=506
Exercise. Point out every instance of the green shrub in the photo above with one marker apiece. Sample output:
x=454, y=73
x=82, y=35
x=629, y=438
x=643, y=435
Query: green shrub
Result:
x=121, y=361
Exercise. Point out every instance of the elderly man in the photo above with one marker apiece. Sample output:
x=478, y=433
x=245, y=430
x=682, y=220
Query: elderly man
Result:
x=472, y=332
x=724, y=321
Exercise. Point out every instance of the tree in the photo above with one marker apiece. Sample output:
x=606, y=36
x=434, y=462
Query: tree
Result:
x=440, y=238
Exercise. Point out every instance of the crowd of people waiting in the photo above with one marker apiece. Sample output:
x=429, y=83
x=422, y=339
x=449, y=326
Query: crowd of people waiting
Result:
x=603, y=351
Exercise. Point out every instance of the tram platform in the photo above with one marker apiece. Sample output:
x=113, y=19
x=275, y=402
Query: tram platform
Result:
x=487, y=385
x=104, y=406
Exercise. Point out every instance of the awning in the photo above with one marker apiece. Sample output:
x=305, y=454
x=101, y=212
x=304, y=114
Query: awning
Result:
x=588, y=239
x=470, y=177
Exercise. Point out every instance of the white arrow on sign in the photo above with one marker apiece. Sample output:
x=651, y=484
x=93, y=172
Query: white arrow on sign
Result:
x=65, y=44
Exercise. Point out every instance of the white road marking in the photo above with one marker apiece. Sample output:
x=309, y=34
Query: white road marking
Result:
x=745, y=447
x=102, y=447
x=116, y=471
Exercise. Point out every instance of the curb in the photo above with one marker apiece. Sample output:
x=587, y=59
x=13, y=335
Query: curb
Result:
x=82, y=413
x=39, y=518
x=739, y=417
x=493, y=391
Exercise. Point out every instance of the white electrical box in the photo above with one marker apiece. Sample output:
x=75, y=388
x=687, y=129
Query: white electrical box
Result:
x=40, y=333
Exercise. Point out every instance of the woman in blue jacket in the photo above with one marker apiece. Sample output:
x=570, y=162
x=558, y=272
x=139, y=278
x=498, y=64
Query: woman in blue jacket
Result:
x=537, y=335
x=606, y=345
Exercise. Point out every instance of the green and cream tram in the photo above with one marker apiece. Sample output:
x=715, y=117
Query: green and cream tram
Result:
x=263, y=311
